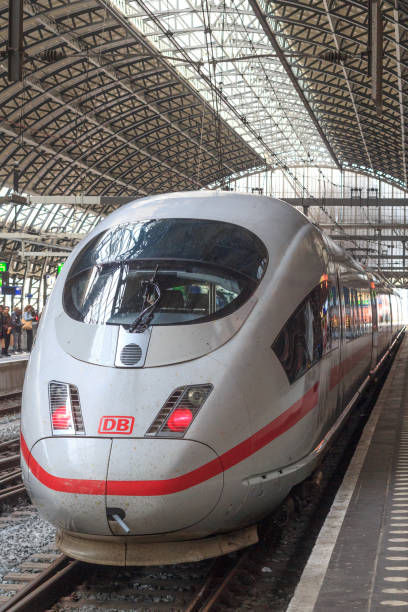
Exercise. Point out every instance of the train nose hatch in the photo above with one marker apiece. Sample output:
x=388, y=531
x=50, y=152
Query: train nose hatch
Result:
x=67, y=482
x=161, y=485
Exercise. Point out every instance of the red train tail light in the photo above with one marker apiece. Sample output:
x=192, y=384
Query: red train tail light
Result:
x=179, y=411
x=65, y=409
x=180, y=419
x=61, y=418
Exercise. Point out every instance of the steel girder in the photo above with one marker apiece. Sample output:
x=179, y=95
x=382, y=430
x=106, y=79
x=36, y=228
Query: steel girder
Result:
x=223, y=45
x=338, y=90
x=110, y=115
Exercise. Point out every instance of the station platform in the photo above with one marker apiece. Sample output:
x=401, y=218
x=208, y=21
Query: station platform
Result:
x=23, y=356
x=12, y=371
x=360, y=559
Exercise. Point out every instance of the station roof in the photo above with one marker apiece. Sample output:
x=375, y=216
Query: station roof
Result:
x=131, y=97
x=134, y=97
x=100, y=112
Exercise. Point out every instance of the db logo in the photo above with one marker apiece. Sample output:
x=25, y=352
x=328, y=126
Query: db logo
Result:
x=116, y=424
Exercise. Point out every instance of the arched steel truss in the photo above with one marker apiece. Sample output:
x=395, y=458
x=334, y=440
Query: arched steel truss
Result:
x=305, y=69
x=110, y=115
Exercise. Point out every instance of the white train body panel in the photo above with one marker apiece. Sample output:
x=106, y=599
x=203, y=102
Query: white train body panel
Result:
x=255, y=435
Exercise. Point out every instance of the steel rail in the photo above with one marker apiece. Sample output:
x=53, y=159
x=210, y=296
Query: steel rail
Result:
x=10, y=493
x=46, y=588
x=216, y=583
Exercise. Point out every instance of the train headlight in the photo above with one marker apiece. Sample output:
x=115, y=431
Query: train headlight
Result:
x=65, y=409
x=195, y=395
x=179, y=411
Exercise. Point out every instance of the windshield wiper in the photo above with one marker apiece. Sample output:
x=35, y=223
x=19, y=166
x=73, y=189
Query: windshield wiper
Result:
x=142, y=321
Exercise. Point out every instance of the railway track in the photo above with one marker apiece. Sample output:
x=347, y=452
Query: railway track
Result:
x=187, y=588
x=10, y=403
x=11, y=486
x=9, y=454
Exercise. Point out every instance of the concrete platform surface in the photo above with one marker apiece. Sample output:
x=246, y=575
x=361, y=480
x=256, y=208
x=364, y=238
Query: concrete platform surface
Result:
x=12, y=371
x=360, y=559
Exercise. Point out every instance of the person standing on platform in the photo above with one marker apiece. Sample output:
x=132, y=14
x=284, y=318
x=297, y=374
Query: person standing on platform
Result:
x=6, y=331
x=28, y=318
x=16, y=329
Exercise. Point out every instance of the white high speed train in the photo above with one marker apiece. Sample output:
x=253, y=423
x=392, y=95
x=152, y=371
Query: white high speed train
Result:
x=195, y=359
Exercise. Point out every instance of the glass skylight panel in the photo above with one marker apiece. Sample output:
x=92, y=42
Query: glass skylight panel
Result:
x=225, y=42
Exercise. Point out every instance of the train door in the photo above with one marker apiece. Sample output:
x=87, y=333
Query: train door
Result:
x=345, y=373
x=331, y=368
x=374, y=353
x=339, y=378
x=337, y=371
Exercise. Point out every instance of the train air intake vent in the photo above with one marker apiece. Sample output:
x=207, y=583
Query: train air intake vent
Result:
x=76, y=409
x=65, y=409
x=131, y=354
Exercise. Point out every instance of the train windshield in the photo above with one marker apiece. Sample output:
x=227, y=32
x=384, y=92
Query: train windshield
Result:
x=204, y=269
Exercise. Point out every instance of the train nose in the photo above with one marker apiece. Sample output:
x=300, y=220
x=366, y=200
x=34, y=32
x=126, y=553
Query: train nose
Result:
x=66, y=479
x=161, y=485
x=154, y=486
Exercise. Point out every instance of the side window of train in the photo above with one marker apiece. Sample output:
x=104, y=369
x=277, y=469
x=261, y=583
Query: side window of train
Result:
x=311, y=331
x=366, y=311
x=387, y=310
x=358, y=321
x=380, y=313
x=331, y=319
x=349, y=312
x=359, y=317
x=383, y=308
x=356, y=313
x=395, y=311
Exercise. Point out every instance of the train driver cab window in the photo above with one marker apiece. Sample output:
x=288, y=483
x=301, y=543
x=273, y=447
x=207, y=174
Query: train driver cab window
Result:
x=311, y=331
x=202, y=270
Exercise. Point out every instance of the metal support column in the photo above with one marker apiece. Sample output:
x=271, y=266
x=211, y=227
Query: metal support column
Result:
x=15, y=48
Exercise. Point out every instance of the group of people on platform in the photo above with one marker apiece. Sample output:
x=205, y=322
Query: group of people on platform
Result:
x=13, y=325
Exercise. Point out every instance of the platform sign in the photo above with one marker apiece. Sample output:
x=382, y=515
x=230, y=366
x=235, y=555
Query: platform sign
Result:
x=8, y=290
x=18, y=291
x=3, y=266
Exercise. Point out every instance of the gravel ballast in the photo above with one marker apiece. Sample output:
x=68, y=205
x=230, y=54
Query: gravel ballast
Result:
x=9, y=427
x=21, y=538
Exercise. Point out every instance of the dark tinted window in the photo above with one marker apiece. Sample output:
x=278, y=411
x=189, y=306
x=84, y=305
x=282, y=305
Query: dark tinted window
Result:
x=107, y=282
x=366, y=311
x=198, y=240
x=311, y=331
x=383, y=310
x=358, y=321
x=331, y=319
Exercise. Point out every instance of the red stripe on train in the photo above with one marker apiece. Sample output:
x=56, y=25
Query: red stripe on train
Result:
x=232, y=457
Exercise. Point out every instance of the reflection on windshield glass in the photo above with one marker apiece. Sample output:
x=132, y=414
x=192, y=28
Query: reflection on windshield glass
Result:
x=205, y=269
x=114, y=295
x=212, y=242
